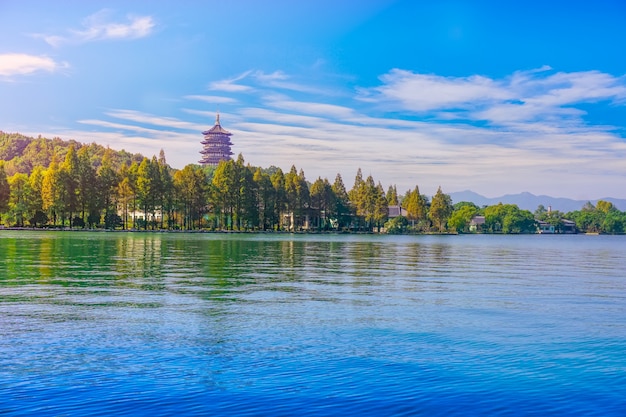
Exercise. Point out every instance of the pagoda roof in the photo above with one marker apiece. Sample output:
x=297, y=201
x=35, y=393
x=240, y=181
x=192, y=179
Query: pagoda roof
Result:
x=217, y=128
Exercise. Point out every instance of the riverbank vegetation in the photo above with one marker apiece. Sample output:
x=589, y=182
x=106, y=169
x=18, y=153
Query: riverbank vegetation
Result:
x=56, y=183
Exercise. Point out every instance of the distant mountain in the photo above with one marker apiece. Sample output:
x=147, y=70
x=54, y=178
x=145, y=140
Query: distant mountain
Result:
x=528, y=201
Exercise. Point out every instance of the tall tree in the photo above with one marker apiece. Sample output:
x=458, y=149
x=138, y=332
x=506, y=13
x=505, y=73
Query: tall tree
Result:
x=440, y=209
x=51, y=191
x=5, y=191
x=69, y=182
x=392, y=196
x=108, y=181
x=36, y=198
x=191, y=188
x=415, y=206
x=87, y=183
x=342, y=202
x=323, y=201
x=19, y=198
x=166, y=183
x=278, y=182
x=226, y=186
x=381, y=207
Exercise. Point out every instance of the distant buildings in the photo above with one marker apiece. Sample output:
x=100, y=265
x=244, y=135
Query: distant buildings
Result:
x=216, y=144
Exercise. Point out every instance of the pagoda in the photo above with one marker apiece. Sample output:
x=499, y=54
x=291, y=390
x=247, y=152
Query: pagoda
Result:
x=216, y=144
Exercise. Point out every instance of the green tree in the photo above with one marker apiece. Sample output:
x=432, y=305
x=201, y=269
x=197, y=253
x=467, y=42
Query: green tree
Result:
x=148, y=187
x=323, y=201
x=19, y=198
x=462, y=216
x=415, y=206
x=226, y=186
x=265, y=198
x=508, y=218
x=87, y=190
x=381, y=207
x=440, y=210
x=342, y=212
x=278, y=182
x=392, y=196
x=297, y=197
x=191, y=187
x=36, y=197
x=69, y=175
x=51, y=191
x=166, y=195
x=5, y=191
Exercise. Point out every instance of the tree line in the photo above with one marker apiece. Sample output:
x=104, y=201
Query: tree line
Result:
x=88, y=186
x=80, y=192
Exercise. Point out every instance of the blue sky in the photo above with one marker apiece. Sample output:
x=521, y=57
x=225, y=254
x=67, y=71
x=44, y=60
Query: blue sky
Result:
x=496, y=97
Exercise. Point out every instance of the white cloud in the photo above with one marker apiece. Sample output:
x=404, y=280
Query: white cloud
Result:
x=24, y=64
x=536, y=95
x=230, y=85
x=555, y=153
x=98, y=26
x=212, y=99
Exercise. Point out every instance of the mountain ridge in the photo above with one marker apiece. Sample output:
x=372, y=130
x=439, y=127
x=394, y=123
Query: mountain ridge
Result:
x=529, y=201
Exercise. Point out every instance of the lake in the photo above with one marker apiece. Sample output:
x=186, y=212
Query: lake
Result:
x=278, y=324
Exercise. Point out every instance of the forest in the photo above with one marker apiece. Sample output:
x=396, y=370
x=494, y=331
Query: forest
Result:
x=52, y=183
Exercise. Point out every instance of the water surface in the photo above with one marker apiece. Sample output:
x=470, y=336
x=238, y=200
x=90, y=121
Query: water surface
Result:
x=264, y=324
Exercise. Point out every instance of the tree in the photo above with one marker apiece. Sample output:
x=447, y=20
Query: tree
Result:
x=342, y=203
x=69, y=175
x=191, y=187
x=508, y=218
x=392, y=196
x=166, y=191
x=35, y=181
x=461, y=217
x=265, y=198
x=148, y=183
x=87, y=184
x=415, y=206
x=5, y=191
x=440, y=210
x=322, y=201
x=278, y=182
x=19, y=198
x=381, y=207
x=51, y=191
x=226, y=187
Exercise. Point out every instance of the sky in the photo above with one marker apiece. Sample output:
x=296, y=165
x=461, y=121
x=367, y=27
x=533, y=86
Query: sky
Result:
x=497, y=97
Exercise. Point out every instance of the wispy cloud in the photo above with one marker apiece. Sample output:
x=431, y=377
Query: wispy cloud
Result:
x=231, y=85
x=212, y=99
x=525, y=96
x=24, y=64
x=274, y=126
x=99, y=26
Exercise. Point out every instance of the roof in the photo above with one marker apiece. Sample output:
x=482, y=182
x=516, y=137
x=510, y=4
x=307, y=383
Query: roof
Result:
x=395, y=211
x=217, y=128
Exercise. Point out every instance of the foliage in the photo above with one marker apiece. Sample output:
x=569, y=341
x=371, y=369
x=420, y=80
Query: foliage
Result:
x=440, y=209
x=604, y=217
x=47, y=182
x=462, y=216
x=508, y=218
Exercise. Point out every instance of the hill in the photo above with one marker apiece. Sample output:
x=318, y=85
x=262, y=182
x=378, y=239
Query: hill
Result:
x=23, y=153
x=528, y=201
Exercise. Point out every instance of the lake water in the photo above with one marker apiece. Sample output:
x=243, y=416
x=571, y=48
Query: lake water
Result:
x=277, y=324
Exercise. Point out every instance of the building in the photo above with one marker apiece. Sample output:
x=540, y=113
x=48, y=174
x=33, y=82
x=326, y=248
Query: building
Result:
x=216, y=144
x=477, y=223
x=396, y=211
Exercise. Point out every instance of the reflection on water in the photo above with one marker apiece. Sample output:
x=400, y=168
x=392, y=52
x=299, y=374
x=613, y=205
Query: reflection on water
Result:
x=196, y=324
